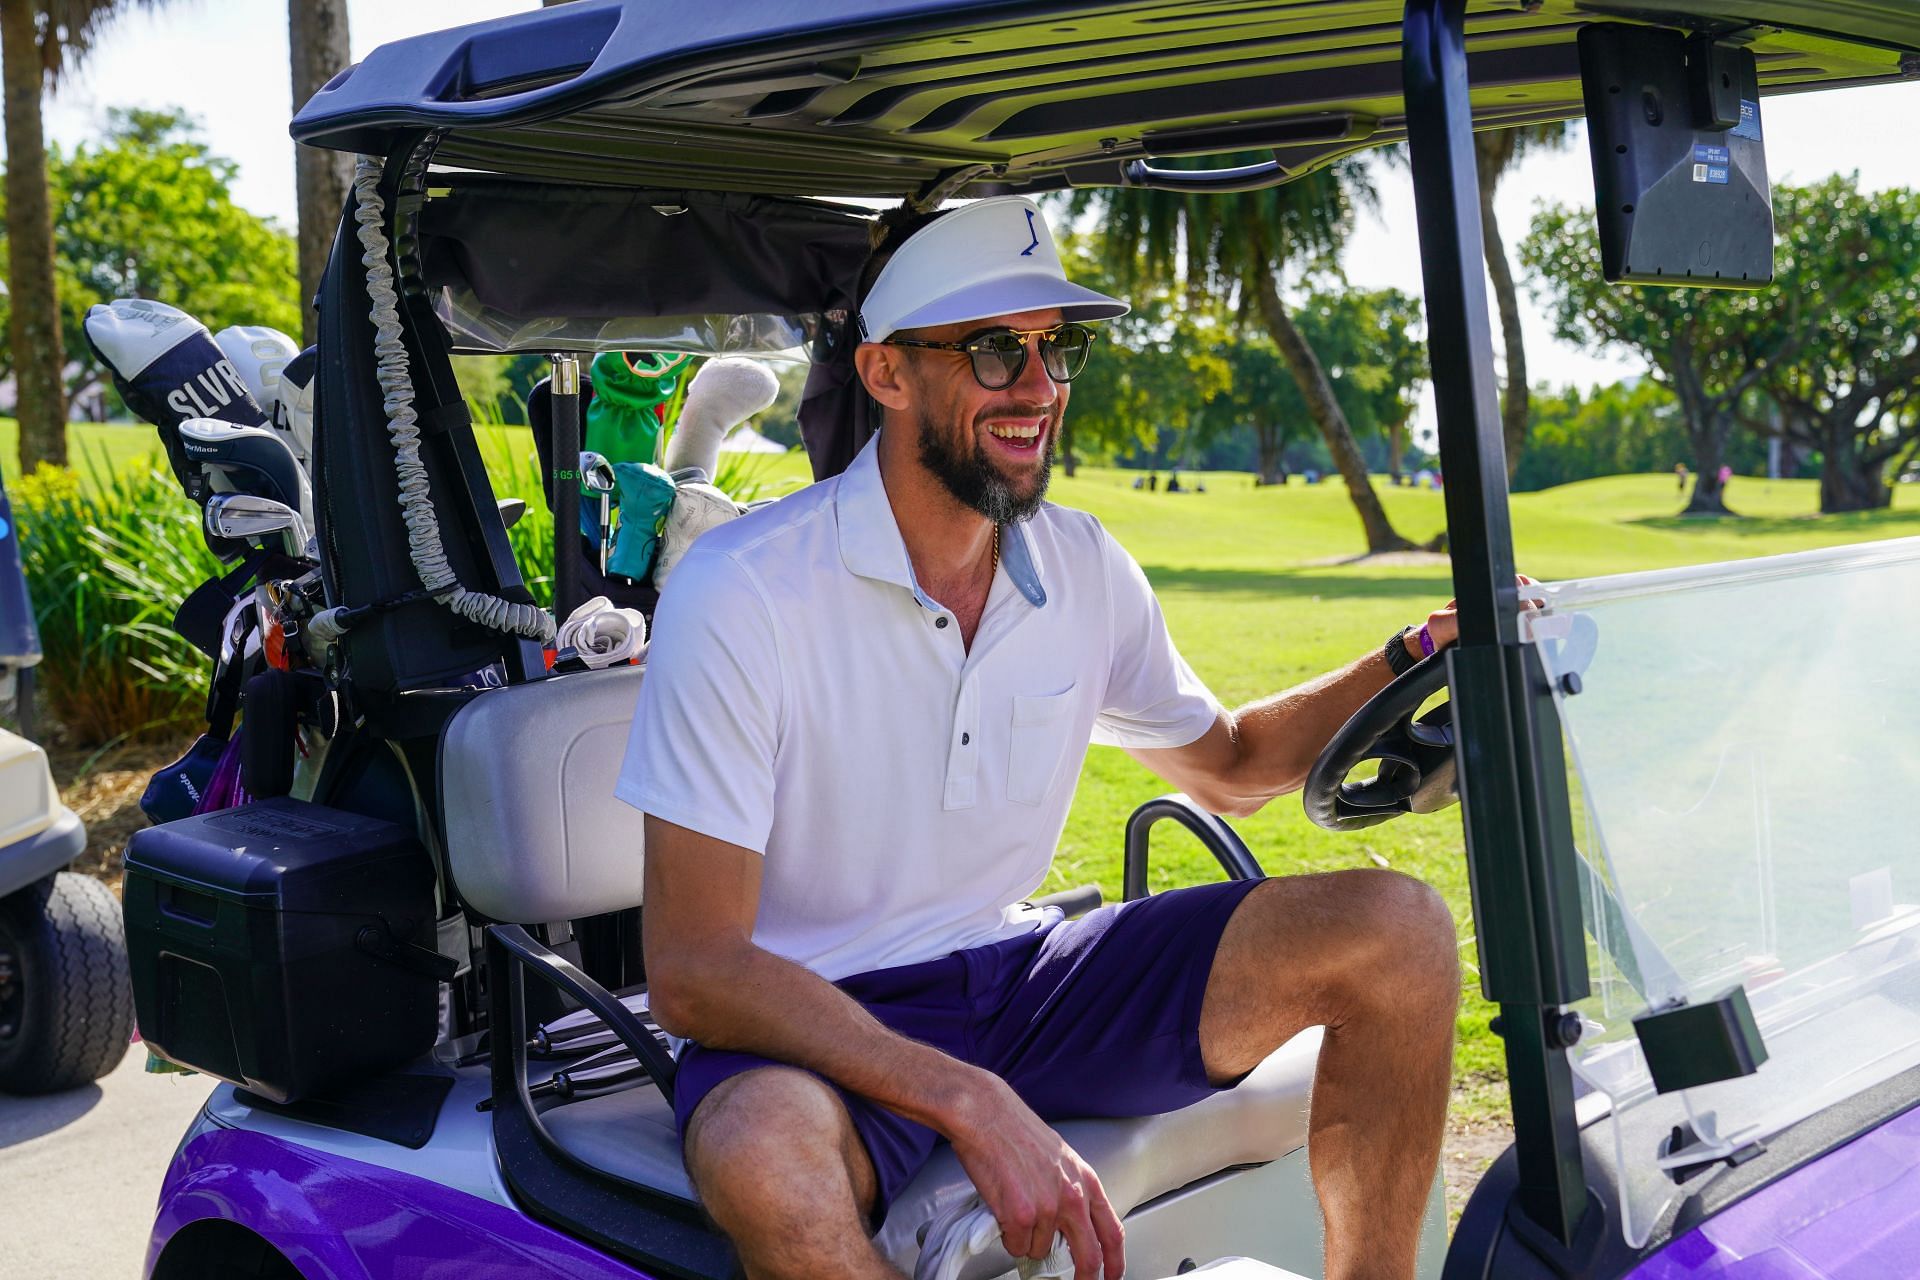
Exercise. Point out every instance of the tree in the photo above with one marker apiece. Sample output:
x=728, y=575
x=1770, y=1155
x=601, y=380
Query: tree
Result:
x=317, y=41
x=149, y=213
x=1242, y=244
x=1150, y=372
x=1631, y=426
x=1494, y=152
x=1709, y=347
x=1851, y=265
x=39, y=39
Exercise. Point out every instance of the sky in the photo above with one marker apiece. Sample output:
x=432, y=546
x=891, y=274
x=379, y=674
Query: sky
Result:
x=225, y=62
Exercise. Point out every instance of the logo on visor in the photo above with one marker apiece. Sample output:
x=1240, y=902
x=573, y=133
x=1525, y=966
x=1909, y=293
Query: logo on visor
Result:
x=1026, y=252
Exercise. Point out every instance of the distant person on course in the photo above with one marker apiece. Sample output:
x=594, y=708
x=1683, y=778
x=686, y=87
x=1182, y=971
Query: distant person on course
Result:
x=864, y=715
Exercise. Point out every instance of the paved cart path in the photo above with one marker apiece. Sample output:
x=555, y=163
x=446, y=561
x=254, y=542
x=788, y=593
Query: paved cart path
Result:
x=80, y=1172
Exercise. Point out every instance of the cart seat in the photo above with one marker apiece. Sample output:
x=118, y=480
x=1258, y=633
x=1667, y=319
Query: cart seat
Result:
x=534, y=831
x=630, y=1136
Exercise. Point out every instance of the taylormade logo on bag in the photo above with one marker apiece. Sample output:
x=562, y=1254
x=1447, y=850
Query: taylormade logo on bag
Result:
x=209, y=391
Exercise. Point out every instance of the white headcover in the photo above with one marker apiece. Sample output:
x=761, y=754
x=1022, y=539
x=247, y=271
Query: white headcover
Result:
x=723, y=394
x=259, y=354
x=990, y=258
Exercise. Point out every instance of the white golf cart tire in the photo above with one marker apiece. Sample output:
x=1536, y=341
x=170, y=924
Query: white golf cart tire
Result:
x=77, y=996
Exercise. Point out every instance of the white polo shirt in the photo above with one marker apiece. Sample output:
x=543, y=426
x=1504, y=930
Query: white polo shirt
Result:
x=805, y=700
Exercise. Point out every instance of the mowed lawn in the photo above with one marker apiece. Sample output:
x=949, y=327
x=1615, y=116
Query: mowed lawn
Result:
x=1262, y=590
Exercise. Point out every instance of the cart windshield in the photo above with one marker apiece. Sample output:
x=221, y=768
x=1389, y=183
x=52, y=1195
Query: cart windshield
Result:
x=1747, y=808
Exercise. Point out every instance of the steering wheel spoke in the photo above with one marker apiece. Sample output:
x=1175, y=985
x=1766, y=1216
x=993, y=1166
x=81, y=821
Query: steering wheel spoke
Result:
x=1413, y=751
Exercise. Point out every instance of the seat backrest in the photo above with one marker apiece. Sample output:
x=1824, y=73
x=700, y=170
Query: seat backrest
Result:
x=534, y=832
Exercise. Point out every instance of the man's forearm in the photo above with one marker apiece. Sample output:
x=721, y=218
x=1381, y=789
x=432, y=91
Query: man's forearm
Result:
x=753, y=1001
x=1278, y=738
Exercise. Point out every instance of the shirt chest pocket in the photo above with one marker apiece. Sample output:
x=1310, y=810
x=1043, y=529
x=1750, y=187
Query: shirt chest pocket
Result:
x=1042, y=726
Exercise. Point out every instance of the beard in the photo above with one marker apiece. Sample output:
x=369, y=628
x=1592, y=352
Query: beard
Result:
x=970, y=476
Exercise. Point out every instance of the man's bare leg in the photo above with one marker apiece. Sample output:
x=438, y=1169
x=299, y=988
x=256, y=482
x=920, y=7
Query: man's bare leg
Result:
x=1372, y=956
x=778, y=1164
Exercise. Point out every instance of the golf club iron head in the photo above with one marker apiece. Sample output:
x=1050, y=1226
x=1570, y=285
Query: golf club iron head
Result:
x=249, y=517
x=596, y=473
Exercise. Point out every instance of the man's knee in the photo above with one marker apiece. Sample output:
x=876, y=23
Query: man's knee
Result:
x=1405, y=944
x=777, y=1162
x=757, y=1125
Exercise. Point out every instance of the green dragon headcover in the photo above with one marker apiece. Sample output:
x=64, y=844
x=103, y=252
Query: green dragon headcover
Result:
x=633, y=396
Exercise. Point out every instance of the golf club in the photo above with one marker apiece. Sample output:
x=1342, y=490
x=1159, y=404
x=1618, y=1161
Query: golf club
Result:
x=596, y=473
x=252, y=460
x=248, y=516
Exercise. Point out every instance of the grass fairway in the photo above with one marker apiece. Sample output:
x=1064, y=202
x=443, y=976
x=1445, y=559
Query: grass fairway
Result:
x=94, y=448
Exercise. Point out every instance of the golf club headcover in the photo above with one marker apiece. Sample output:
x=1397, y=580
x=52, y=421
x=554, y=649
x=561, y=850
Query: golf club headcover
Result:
x=168, y=368
x=725, y=393
x=259, y=355
x=178, y=788
x=293, y=413
x=697, y=507
x=646, y=497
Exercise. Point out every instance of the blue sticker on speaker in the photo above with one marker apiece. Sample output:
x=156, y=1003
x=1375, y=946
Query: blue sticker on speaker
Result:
x=1705, y=154
x=1749, y=126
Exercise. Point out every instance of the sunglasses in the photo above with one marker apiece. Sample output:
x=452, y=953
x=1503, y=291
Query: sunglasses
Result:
x=999, y=356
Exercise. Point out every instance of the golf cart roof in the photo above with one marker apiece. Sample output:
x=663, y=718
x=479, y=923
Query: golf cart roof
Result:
x=958, y=97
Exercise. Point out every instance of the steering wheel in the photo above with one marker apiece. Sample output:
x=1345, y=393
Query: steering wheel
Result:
x=1416, y=772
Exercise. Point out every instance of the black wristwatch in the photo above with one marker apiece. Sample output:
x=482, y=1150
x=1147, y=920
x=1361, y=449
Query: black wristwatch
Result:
x=1399, y=658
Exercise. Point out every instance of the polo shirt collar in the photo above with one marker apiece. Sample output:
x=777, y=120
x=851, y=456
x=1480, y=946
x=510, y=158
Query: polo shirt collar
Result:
x=871, y=545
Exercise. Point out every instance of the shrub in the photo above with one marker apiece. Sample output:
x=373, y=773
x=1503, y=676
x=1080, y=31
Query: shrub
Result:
x=107, y=563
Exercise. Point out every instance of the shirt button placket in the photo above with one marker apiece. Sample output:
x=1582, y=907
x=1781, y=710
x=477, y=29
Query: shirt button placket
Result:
x=962, y=761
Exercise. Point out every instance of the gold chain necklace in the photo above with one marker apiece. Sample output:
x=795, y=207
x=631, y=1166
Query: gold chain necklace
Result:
x=996, y=554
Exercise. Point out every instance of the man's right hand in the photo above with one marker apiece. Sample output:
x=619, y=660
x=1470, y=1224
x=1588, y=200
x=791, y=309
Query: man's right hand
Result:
x=1035, y=1184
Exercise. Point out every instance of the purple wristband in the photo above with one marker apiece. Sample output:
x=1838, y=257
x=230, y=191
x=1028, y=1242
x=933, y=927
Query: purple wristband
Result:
x=1426, y=641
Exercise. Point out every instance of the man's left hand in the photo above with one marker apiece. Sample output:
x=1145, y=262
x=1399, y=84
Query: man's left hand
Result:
x=1443, y=625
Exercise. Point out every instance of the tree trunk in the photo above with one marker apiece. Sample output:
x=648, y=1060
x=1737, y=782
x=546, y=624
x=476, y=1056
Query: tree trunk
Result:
x=1396, y=443
x=1267, y=451
x=1848, y=480
x=1708, y=438
x=1068, y=462
x=39, y=359
x=317, y=37
x=1494, y=151
x=1325, y=411
x=1709, y=423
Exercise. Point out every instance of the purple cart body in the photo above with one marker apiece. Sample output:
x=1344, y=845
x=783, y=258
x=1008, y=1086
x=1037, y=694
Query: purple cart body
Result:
x=1853, y=1214
x=340, y=1219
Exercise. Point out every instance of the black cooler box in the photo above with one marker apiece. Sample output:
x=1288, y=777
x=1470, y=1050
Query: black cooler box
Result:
x=283, y=946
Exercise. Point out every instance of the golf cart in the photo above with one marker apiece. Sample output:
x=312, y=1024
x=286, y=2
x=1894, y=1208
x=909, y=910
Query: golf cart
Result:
x=66, y=1009
x=418, y=964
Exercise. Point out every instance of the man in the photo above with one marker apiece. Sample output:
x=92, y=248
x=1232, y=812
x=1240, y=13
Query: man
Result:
x=864, y=714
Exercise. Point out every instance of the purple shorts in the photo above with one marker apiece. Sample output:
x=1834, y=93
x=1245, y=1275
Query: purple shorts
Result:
x=1098, y=1016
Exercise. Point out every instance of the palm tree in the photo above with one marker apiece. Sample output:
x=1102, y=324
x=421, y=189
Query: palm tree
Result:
x=1243, y=243
x=38, y=40
x=1494, y=153
x=317, y=41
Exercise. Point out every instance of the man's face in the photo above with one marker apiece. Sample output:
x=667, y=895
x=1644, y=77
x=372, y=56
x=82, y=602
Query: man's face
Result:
x=993, y=450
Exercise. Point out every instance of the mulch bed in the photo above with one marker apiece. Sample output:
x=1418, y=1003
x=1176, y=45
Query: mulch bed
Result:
x=104, y=789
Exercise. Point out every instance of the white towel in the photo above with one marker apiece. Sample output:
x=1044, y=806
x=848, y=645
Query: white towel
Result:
x=968, y=1230
x=602, y=634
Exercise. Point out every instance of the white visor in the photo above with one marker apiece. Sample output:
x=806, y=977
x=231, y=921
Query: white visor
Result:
x=990, y=258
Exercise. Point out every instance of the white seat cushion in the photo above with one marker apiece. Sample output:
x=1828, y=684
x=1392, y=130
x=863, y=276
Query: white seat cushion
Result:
x=534, y=832
x=630, y=1135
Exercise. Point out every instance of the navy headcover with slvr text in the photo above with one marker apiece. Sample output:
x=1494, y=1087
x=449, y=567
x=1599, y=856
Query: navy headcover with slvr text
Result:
x=168, y=368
